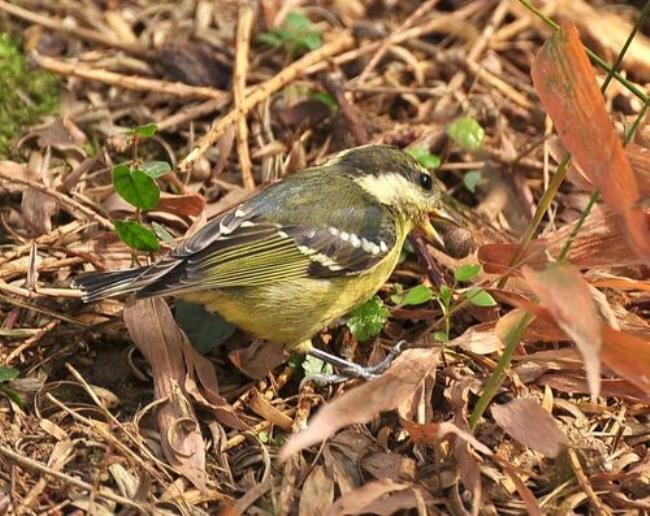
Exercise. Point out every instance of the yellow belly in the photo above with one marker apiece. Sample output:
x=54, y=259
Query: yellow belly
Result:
x=291, y=312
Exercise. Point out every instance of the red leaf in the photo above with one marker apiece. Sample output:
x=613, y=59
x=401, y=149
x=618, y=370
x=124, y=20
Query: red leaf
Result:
x=566, y=295
x=566, y=84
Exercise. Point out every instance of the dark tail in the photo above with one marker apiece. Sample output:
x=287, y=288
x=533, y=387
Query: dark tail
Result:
x=98, y=285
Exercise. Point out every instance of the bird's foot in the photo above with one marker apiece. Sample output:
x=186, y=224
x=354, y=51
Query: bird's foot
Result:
x=347, y=369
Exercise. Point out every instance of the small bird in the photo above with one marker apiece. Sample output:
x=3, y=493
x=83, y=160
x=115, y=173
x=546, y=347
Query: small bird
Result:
x=299, y=255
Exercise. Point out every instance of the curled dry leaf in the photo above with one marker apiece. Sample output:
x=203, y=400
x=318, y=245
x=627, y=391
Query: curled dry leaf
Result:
x=528, y=423
x=566, y=84
x=567, y=296
x=362, y=404
x=178, y=373
x=317, y=492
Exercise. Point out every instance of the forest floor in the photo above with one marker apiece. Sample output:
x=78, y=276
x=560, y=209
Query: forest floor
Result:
x=108, y=407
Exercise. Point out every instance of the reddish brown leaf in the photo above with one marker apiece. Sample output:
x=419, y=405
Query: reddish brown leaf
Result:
x=566, y=84
x=628, y=356
x=362, y=404
x=640, y=160
x=528, y=423
x=616, y=387
x=182, y=205
x=600, y=243
x=566, y=295
x=258, y=359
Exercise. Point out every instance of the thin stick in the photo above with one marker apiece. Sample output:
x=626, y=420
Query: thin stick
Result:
x=263, y=91
x=128, y=82
x=244, y=27
x=38, y=466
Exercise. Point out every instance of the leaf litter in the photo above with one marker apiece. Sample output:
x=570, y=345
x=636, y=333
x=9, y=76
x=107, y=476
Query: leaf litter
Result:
x=121, y=409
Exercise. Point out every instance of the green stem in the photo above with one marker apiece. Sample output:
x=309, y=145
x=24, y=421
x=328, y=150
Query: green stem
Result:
x=512, y=338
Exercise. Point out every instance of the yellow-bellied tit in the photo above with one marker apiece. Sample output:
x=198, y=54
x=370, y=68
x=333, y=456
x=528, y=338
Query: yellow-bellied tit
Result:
x=300, y=254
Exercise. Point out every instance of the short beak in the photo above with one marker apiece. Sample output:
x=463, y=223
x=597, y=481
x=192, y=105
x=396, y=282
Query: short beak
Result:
x=429, y=231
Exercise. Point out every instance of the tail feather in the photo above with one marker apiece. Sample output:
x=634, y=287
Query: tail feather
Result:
x=99, y=285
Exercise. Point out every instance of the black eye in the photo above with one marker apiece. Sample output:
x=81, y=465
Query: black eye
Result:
x=425, y=181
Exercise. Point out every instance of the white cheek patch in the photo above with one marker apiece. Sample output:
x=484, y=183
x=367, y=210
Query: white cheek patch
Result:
x=392, y=189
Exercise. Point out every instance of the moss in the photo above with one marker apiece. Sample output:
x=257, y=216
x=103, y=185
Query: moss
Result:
x=25, y=95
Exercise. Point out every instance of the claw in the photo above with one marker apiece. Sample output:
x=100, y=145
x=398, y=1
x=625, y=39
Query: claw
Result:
x=348, y=369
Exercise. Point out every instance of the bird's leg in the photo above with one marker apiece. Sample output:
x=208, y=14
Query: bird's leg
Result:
x=349, y=369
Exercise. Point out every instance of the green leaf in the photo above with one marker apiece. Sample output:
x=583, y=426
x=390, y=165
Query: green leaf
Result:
x=135, y=187
x=471, y=179
x=162, y=233
x=144, y=131
x=325, y=98
x=206, y=330
x=296, y=33
x=156, y=169
x=8, y=373
x=445, y=294
x=467, y=272
x=368, y=319
x=467, y=133
x=13, y=396
x=417, y=295
x=135, y=235
x=312, y=365
x=441, y=336
x=424, y=157
x=397, y=297
x=479, y=297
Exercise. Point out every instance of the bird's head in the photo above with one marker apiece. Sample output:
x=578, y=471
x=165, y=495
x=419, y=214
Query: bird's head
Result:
x=397, y=180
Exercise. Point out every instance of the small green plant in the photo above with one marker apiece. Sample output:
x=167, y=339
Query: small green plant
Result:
x=135, y=182
x=313, y=366
x=415, y=296
x=26, y=94
x=7, y=375
x=297, y=34
x=424, y=157
x=367, y=320
x=467, y=133
x=475, y=295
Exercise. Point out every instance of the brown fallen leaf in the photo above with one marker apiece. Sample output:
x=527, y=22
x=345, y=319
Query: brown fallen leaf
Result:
x=565, y=293
x=191, y=205
x=317, y=493
x=358, y=500
x=362, y=404
x=566, y=84
x=258, y=359
x=178, y=373
x=430, y=433
x=528, y=423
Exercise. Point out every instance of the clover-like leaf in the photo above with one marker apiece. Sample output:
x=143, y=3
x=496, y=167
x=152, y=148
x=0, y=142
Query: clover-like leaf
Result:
x=368, y=319
x=467, y=133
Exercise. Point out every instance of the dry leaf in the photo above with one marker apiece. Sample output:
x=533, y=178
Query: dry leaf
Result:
x=429, y=433
x=362, y=404
x=358, y=500
x=178, y=373
x=567, y=296
x=566, y=84
x=528, y=423
x=38, y=207
x=258, y=359
x=317, y=493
